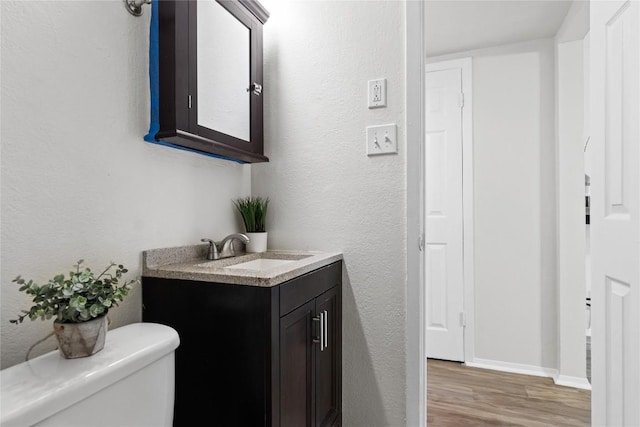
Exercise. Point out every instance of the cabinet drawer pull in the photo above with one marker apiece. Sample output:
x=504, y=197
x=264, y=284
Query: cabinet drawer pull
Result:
x=326, y=329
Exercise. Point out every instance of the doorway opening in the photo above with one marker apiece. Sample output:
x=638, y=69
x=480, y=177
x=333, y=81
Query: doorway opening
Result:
x=448, y=183
x=512, y=322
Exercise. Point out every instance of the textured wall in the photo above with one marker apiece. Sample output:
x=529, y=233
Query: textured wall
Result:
x=572, y=128
x=514, y=197
x=571, y=213
x=327, y=194
x=510, y=123
x=78, y=181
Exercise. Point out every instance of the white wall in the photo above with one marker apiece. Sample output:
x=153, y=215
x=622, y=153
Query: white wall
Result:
x=78, y=181
x=588, y=154
x=327, y=194
x=571, y=214
x=571, y=136
x=514, y=212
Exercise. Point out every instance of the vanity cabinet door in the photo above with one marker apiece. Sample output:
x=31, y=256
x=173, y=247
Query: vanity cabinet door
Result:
x=327, y=359
x=309, y=363
x=296, y=367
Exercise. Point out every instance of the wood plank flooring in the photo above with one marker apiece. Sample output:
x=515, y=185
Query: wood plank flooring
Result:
x=459, y=396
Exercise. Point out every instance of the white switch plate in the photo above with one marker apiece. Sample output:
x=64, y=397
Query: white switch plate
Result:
x=377, y=93
x=382, y=140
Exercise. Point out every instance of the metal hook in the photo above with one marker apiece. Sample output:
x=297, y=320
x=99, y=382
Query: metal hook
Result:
x=135, y=6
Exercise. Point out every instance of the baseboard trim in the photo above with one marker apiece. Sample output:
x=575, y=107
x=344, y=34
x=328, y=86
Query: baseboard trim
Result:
x=514, y=368
x=575, y=382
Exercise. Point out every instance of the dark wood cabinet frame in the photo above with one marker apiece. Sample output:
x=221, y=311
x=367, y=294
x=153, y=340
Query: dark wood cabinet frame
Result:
x=233, y=358
x=178, y=85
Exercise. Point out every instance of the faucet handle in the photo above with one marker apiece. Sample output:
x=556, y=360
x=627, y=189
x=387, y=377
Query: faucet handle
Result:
x=213, y=249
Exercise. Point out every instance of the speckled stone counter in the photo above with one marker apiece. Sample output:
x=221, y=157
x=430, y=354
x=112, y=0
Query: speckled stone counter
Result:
x=190, y=263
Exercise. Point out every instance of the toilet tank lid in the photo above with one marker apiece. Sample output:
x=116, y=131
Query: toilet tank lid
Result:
x=34, y=390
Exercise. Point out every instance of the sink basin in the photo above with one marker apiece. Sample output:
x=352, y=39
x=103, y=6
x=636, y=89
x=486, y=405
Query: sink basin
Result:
x=254, y=262
x=260, y=264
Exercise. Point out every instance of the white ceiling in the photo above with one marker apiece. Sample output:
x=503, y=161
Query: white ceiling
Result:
x=460, y=25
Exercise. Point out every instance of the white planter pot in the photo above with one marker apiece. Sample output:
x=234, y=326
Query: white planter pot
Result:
x=257, y=242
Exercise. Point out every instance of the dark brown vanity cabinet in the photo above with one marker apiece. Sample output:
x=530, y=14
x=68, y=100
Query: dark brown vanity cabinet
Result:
x=254, y=356
x=210, y=77
x=314, y=401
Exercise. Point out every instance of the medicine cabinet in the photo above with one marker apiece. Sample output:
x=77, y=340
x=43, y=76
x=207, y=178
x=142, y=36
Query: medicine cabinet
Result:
x=210, y=77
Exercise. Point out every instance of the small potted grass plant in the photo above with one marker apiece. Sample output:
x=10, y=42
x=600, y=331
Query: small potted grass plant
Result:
x=254, y=213
x=79, y=303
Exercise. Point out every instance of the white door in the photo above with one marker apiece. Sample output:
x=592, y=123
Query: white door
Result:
x=615, y=212
x=443, y=215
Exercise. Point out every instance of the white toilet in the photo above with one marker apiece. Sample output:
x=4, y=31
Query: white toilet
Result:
x=129, y=383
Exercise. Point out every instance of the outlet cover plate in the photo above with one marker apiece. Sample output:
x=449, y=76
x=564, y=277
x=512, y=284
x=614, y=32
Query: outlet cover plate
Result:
x=377, y=93
x=382, y=140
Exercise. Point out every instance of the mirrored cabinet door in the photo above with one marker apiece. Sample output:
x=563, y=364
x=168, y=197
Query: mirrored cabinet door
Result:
x=223, y=73
x=211, y=72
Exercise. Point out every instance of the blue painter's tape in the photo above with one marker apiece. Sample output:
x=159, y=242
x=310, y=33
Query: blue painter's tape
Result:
x=154, y=74
x=154, y=83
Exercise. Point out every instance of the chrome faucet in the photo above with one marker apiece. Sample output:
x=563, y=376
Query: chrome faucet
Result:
x=224, y=249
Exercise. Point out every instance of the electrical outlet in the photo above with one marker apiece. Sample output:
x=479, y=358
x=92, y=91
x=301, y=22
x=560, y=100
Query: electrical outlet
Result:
x=377, y=90
x=382, y=140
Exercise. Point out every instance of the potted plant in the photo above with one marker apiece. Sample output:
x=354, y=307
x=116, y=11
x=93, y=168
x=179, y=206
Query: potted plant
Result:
x=254, y=213
x=80, y=303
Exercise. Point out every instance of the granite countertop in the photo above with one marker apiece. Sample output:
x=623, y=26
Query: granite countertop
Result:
x=190, y=263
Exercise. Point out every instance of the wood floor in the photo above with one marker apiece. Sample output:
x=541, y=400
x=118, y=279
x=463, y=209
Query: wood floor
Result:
x=459, y=396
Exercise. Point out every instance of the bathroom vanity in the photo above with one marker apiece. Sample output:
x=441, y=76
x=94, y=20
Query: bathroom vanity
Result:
x=261, y=335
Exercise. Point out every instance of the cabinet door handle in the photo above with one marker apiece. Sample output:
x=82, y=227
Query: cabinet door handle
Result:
x=255, y=88
x=326, y=329
x=317, y=338
x=322, y=323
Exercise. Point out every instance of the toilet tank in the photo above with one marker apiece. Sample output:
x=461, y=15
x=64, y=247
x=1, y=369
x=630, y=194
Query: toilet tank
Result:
x=129, y=383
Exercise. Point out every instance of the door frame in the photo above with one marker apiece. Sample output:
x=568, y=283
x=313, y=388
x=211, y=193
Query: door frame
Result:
x=466, y=67
x=415, y=355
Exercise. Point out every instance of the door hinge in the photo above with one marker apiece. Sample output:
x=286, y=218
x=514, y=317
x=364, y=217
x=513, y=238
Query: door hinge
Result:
x=189, y=101
x=421, y=242
x=461, y=100
x=463, y=320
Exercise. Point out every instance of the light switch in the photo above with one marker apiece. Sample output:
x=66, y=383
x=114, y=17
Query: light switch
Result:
x=382, y=140
x=377, y=93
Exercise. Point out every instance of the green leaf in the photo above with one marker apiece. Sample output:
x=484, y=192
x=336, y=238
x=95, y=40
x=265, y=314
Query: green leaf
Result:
x=77, y=302
x=95, y=310
x=76, y=297
x=253, y=211
x=105, y=301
